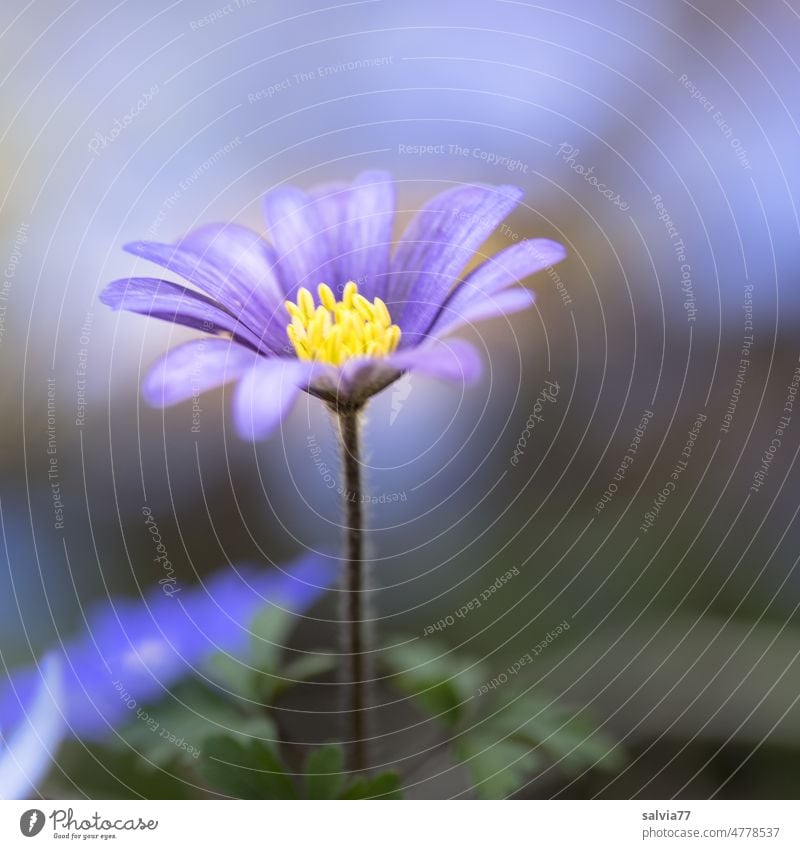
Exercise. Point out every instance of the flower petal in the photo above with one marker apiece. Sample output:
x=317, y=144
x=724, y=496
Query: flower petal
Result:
x=481, y=294
x=437, y=244
x=455, y=360
x=136, y=649
x=31, y=747
x=481, y=308
x=366, y=237
x=335, y=233
x=299, y=233
x=265, y=394
x=505, y=268
x=245, y=259
x=220, y=612
x=330, y=202
x=195, y=367
x=214, y=281
x=171, y=302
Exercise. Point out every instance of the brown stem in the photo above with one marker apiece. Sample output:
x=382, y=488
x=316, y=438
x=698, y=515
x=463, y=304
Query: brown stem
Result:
x=355, y=589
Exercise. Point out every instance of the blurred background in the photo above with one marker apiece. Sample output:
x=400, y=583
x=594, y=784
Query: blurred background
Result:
x=656, y=140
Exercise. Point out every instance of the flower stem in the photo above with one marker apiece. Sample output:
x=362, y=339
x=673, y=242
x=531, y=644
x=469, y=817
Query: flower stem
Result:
x=355, y=589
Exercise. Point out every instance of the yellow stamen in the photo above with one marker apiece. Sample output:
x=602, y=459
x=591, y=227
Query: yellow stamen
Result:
x=326, y=296
x=305, y=300
x=335, y=330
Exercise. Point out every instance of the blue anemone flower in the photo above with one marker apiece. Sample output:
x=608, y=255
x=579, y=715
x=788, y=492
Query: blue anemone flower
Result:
x=380, y=310
x=135, y=650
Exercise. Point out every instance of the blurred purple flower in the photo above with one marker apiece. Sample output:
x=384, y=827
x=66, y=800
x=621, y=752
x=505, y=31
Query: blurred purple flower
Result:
x=333, y=234
x=137, y=650
x=28, y=747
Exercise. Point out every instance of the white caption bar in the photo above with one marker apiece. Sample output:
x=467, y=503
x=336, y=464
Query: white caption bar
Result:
x=402, y=823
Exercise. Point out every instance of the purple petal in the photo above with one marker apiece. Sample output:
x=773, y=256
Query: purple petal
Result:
x=335, y=233
x=214, y=281
x=480, y=308
x=28, y=751
x=329, y=201
x=133, y=651
x=137, y=649
x=265, y=394
x=299, y=234
x=511, y=265
x=437, y=244
x=297, y=586
x=14, y=696
x=455, y=360
x=244, y=258
x=193, y=368
x=222, y=610
x=366, y=237
x=174, y=303
x=358, y=371
x=328, y=197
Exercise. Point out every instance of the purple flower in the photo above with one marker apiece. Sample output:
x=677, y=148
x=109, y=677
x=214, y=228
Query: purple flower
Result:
x=380, y=312
x=132, y=652
x=28, y=747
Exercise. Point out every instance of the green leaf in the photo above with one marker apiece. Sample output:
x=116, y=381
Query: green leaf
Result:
x=325, y=773
x=245, y=771
x=269, y=634
x=257, y=678
x=514, y=732
x=96, y=771
x=567, y=737
x=386, y=785
x=498, y=767
x=254, y=678
x=233, y=675
x=176, y=728
x=440, y=682
x=305, y=668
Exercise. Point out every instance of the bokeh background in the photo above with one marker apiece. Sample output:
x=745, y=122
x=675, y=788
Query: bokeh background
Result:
x=142, y=120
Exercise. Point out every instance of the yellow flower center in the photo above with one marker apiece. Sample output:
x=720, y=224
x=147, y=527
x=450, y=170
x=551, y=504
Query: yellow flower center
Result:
x=335, y=331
